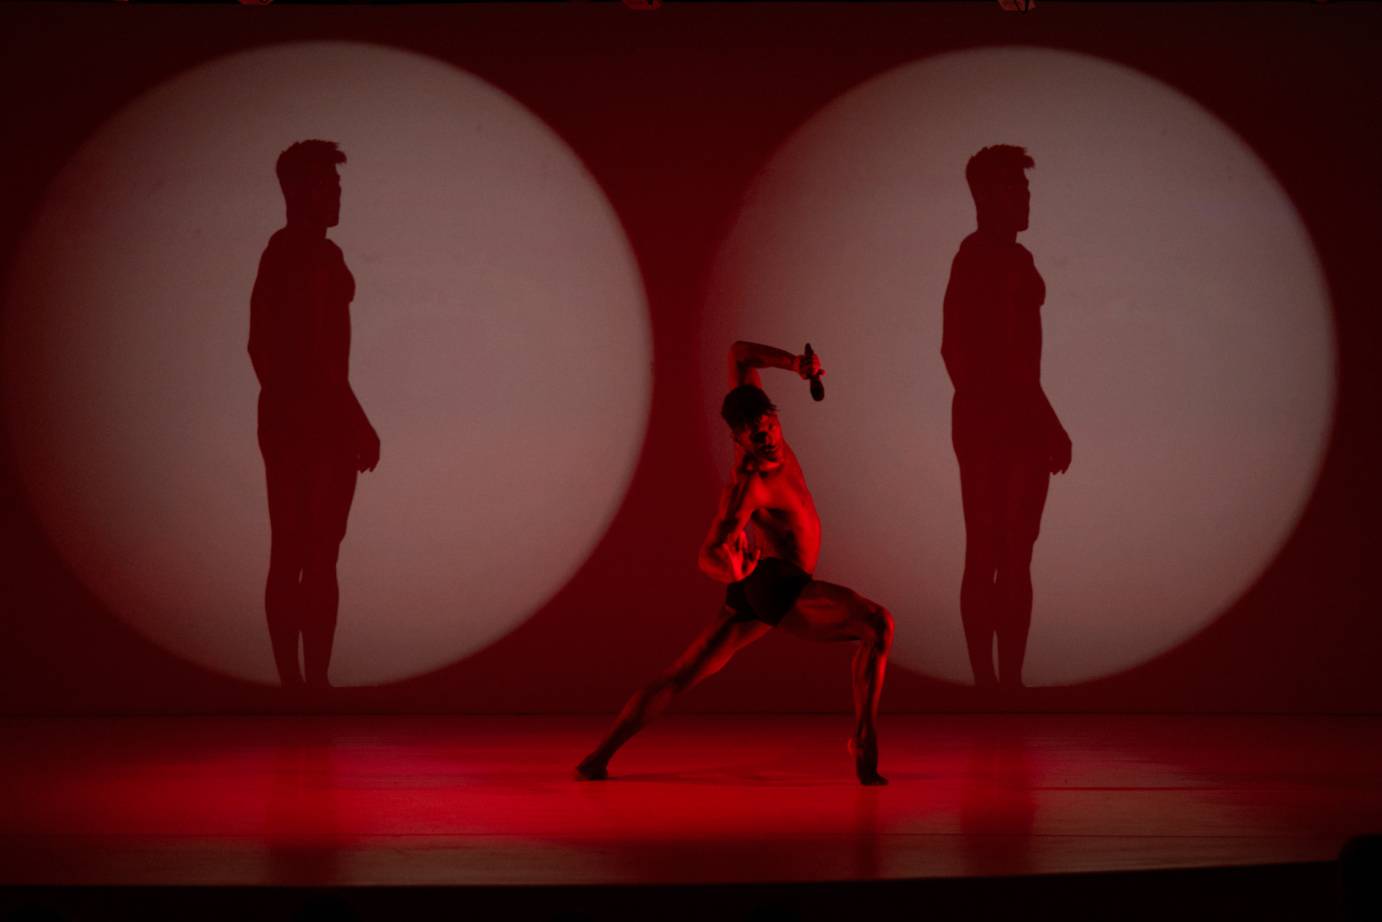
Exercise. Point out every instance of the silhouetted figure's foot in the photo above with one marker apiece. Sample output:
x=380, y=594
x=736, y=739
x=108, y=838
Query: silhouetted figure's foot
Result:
x=592, y=768
x=865, y=753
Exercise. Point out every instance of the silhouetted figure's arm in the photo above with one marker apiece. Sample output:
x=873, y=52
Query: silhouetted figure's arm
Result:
x=1058, y=445
x=366, y=439
x=262, y=315
x=963, y=302
x=974, y=336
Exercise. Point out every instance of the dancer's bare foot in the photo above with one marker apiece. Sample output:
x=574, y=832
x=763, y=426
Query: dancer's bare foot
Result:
x=592, y=768
x=865, y=753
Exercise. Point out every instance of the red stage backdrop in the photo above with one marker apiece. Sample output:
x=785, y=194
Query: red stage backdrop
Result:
x=557, y=219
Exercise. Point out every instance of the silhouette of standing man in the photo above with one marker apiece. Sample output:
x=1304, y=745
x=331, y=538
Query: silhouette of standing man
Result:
x=1007, y=438
x=313, y=434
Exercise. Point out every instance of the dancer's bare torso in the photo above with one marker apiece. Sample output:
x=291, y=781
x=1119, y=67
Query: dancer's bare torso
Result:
x=783, y=513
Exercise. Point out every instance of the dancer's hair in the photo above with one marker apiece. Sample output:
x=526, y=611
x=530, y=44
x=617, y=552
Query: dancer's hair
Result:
x=744, y=405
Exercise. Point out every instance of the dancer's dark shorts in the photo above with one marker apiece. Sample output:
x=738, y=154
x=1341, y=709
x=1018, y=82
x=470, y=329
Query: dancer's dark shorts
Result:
x=768, y=593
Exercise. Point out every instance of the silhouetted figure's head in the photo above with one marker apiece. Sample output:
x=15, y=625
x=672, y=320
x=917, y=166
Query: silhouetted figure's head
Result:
x=311, y=185
x=752, y=420
x=998, y=181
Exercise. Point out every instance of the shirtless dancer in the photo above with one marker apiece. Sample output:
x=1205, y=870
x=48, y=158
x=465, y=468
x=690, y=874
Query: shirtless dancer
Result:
x=770, y=585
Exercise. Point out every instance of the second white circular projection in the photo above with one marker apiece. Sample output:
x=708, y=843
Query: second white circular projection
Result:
x=1188, y=347
x=501, y=347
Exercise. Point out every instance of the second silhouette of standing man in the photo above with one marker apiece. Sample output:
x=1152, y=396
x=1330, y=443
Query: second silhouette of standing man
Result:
x=1007, y=438
x=313, y=434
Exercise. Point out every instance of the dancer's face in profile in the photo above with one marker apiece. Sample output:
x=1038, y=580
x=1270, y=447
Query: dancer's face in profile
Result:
x=1006, y=203
x=762, y=439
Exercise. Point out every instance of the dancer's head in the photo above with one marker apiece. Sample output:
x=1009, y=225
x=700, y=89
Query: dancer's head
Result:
x=998, y=181
x=752, y=420
x=311, y=185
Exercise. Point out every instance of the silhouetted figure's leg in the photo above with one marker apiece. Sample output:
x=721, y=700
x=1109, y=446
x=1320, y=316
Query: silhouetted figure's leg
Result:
x=828, y=612
x=1024, y=503
x=321, y=597
x=979, y=610
x=284, y=602
x=706, y=656
x=1014, y=621
x=282, y=606
x=979, y=595
x=330, y=494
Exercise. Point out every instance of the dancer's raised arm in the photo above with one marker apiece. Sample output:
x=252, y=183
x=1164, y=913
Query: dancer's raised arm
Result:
x=746, y=358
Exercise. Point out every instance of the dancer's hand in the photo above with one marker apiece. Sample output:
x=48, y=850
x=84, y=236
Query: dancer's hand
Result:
x=809, y=366
x=742, y=560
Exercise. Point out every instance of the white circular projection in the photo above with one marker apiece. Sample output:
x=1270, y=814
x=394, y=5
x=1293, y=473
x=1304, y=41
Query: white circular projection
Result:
x=1188, y=347
x=500, y=346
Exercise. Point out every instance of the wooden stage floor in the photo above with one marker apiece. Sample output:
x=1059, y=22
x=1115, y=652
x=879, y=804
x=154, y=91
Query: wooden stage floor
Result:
x=409, y=801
